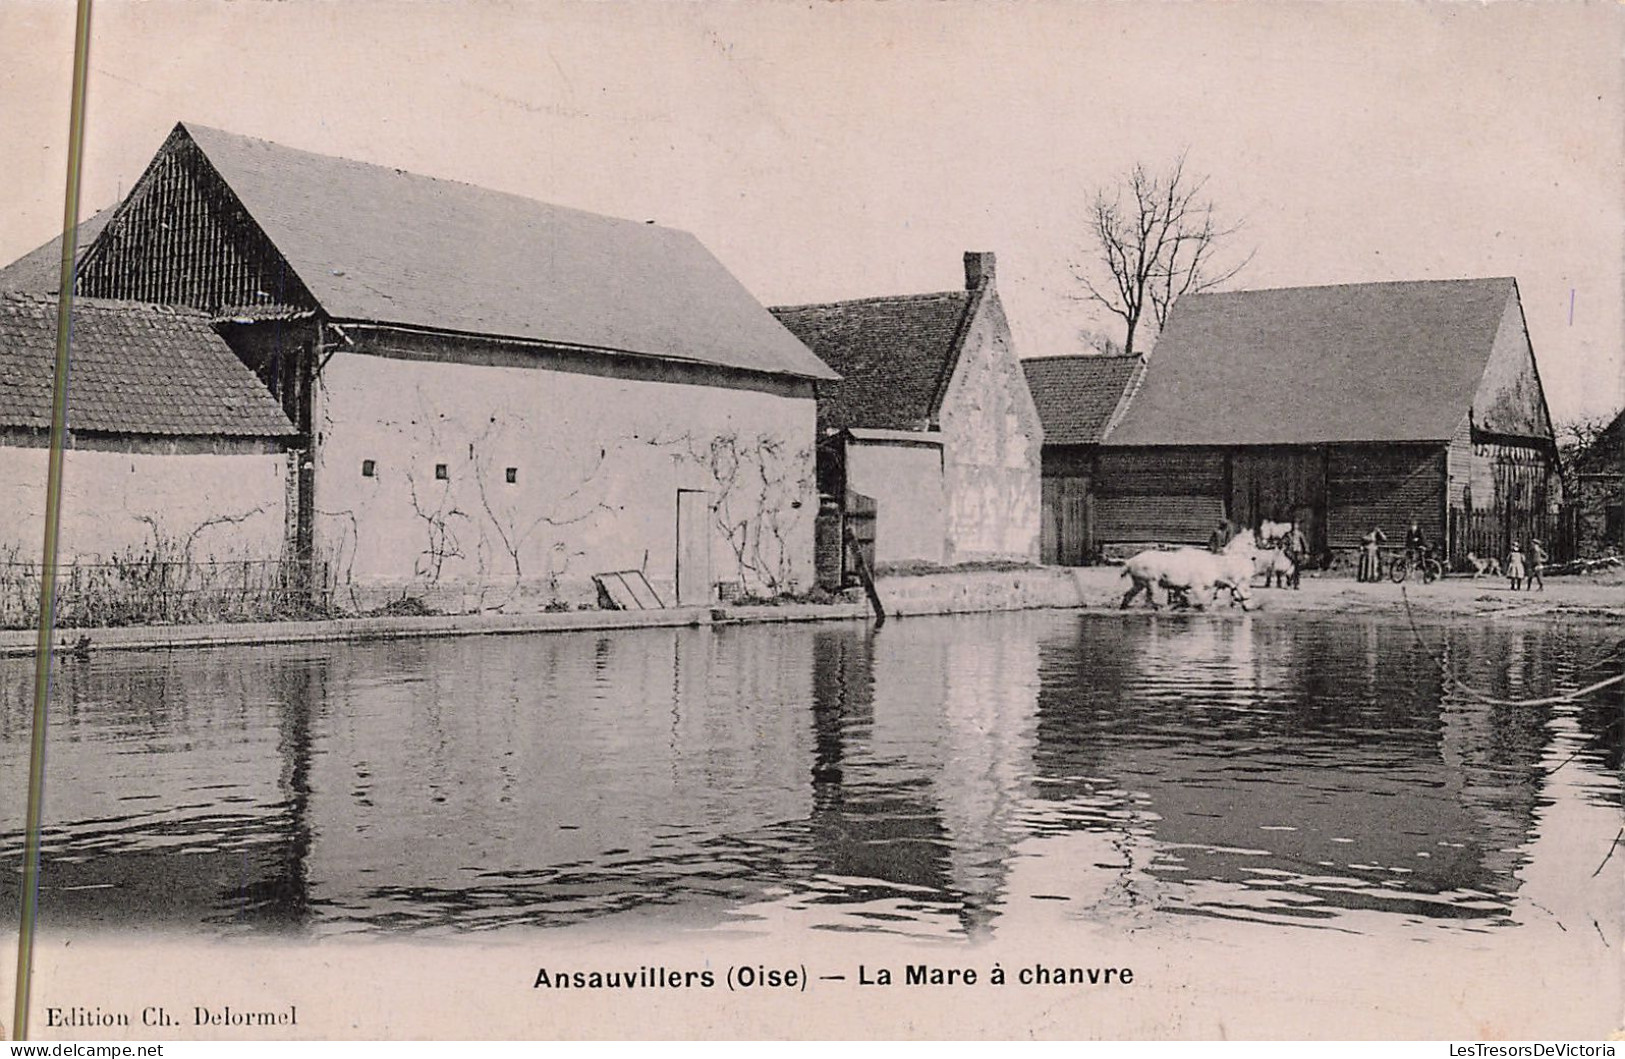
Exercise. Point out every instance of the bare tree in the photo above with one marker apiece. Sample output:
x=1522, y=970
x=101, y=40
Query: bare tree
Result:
x=1575, y=440
x=1100, y=342
x=1156, y=235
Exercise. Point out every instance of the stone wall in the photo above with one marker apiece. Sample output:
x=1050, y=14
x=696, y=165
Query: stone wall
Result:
x=975, y=591
x=498, y=487
x=993, y=447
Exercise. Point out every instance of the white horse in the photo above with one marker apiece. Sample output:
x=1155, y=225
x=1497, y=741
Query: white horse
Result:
x=1273, y=565
x=1195, y=573
x=1269, y=532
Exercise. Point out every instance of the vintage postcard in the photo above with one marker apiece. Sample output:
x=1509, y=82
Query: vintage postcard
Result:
x=851, y=520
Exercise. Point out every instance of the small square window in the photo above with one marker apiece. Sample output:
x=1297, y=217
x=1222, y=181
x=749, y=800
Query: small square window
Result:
x=369, y=468
x=440, y=472
x=512, y=475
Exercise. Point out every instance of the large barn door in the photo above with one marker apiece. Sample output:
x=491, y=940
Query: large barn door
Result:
x=1279, y=485
x=693, y=548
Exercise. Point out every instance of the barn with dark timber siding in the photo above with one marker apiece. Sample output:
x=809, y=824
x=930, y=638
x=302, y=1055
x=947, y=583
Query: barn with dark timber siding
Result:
x=1078, y=398
x=1346, y=408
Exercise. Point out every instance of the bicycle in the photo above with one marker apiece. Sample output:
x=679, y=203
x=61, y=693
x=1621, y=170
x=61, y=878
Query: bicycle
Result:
x=1430, y=568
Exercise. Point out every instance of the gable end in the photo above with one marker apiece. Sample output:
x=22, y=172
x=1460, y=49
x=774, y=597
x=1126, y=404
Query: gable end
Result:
x=182, y=237
x=1510, y=401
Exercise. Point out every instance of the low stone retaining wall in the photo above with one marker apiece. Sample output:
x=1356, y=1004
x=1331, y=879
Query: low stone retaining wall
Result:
x=970, y=591
x=945, y=592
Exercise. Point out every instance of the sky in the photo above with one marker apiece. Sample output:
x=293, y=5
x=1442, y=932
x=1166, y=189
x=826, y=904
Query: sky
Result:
x=837, y=150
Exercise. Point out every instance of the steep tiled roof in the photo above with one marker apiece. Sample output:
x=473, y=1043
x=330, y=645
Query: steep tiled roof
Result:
x=378, y=244
x=1303, y=365
x=1076, y=395
x=133, y=369
x=893, y=354
x=38, y=271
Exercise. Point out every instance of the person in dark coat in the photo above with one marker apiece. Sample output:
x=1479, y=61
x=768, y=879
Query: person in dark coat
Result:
x=1219, y=537
x=1416, y=543
x=1296, y=549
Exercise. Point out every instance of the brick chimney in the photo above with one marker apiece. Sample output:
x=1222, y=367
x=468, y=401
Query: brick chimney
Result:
x=978, y=269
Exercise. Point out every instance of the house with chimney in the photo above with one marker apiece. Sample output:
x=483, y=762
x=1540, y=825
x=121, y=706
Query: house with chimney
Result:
x=497, y=401
x=930, y=424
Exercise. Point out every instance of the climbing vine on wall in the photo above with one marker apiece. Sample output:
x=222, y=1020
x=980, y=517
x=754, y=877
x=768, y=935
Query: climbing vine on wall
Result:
x=761, y=485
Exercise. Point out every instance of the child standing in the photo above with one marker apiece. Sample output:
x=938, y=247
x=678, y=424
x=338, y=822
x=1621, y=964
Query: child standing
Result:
x=1537, y=564
x=1515, y=566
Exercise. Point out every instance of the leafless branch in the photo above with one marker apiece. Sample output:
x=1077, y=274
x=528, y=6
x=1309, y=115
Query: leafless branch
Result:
x=1156, y=236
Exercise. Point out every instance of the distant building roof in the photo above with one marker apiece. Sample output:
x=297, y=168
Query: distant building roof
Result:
x=1076, y=395
x=1303, y=365
x=133, y=369
x=894, y=355
x=371, y=243
x=40, y=270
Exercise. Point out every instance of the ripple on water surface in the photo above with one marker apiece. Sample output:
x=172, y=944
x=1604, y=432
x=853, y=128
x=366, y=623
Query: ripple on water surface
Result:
x=935, y=777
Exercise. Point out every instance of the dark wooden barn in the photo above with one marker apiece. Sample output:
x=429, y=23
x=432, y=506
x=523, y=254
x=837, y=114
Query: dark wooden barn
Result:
x=1078, y=397
x=1346, y=408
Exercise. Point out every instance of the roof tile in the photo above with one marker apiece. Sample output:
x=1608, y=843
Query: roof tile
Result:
x=1076, y=395
x=38, y=271
x=133, y=369
x=383, y=245
x=891, y=354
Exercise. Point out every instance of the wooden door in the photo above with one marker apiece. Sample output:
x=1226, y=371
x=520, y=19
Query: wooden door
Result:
x=1075, y=531
x=693, y=548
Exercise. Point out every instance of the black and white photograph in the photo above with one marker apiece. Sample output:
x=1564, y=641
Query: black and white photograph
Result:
x=813, y=520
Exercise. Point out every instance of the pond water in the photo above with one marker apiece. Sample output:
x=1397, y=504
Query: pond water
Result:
x=938, y=777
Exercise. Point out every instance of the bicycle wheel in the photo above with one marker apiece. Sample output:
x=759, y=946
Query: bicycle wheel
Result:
x=1400, y=570
x=1432, y=570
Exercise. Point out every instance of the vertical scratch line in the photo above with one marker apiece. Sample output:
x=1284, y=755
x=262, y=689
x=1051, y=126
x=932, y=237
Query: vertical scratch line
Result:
x=53, y=511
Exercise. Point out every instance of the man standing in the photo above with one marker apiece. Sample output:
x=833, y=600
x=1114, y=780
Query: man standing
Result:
x=1219, y=537
x=1296, y=548
x=1537, y=564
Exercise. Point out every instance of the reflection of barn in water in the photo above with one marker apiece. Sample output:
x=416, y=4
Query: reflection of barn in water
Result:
x=211, y=821
x=549, y=780
x=1336, y=784
x=910, y=780
x=1346, y=408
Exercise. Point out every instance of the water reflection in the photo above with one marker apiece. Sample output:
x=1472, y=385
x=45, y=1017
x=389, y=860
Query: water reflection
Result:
x=1289, y=770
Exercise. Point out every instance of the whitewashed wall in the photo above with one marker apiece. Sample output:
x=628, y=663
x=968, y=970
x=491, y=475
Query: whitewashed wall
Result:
x=598, y=461
x=223, y=506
